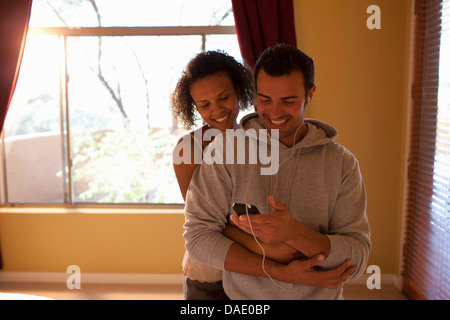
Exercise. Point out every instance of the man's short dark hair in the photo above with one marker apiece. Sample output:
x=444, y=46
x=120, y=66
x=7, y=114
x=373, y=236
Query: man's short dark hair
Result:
x=282, y=60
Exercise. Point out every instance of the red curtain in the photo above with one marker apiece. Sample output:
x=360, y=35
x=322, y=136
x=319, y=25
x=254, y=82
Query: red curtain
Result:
x=14, y=16
x=261, y=24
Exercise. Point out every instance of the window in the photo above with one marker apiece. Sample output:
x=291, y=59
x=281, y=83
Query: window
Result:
x=90, y=120
x=427, y=245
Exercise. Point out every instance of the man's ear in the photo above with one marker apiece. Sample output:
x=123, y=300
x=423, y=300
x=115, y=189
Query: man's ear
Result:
x=311, y=93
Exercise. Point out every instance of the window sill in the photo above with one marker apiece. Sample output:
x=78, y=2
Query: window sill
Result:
x=167, y=209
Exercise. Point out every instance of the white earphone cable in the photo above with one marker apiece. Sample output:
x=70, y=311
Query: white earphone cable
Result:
x=250, y=223
x=263, y=251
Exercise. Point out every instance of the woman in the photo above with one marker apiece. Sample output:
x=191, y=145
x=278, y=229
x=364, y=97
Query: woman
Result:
x=217, y=87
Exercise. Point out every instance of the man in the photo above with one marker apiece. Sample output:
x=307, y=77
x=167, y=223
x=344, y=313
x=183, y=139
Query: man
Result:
x=315, y=202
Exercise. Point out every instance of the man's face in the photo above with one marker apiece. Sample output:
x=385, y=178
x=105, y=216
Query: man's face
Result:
x=281, y=103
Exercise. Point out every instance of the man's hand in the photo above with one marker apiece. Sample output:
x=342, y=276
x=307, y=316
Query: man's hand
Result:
x=279, y=226
x=275, y=227
x=306, y=272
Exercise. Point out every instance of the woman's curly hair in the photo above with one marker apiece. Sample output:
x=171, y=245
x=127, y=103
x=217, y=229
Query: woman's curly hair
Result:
x=205, y=64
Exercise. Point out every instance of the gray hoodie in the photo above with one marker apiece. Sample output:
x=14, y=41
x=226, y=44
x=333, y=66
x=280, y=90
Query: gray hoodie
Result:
x=320, y=182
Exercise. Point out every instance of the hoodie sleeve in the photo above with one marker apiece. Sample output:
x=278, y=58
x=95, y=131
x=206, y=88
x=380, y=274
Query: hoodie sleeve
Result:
x=206, y=212
x=349, y=232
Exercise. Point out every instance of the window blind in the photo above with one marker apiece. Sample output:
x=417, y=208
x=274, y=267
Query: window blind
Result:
x=426, y=252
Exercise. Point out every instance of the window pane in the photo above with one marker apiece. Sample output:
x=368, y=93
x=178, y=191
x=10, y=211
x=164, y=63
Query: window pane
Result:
x=33, y=144
x=121, y=124
x=131, y=13
x=441, y=179
x=117, y=93
x=225, y=42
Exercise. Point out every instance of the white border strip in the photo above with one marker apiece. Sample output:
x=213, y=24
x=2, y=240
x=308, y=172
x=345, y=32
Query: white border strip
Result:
x=103, y=278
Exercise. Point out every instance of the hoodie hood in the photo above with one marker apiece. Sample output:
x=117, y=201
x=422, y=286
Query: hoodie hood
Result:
x=319, y=133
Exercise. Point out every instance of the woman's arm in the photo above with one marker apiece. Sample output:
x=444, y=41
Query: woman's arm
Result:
x=282, y=253
x=184, y=171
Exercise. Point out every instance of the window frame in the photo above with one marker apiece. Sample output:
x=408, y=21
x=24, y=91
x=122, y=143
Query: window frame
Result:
x=63, y=33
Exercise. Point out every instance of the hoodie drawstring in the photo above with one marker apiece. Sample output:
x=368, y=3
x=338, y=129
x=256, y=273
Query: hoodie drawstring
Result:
x=292, y=176
x=273, y=187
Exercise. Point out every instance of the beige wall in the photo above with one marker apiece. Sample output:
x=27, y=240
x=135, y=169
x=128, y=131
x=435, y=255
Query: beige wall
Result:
x=362, y=91
x=96, y=242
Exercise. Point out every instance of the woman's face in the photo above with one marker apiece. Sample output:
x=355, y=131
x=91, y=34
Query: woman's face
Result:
x=216, y=100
